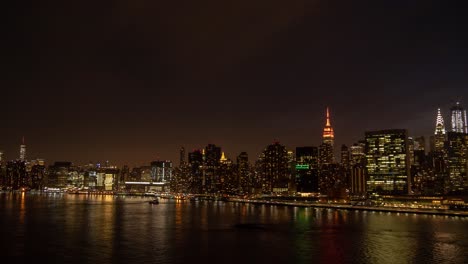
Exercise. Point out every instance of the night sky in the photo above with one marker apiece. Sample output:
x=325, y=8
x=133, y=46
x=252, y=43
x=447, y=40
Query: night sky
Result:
x=133, y=81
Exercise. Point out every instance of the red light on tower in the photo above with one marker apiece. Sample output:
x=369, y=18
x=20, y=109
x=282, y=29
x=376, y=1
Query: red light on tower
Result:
x=328, y=134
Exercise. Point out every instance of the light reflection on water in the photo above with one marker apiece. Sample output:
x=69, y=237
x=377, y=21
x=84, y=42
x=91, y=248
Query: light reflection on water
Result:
x=112, y=229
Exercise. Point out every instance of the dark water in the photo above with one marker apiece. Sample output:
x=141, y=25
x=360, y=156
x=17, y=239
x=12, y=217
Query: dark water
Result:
x=107, y=229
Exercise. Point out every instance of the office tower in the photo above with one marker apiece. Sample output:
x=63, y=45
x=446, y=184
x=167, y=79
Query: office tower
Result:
x=358, y=180
x=457, y=162
x=243, y=172
x=211, y=155
x=439, y=133
x=306, y=169
x=357, y=155
x=411, y=150
x=161, y=171
x=22, y=151
x=182, y=157
x=195, y=162
x=274, y=169
x=16, y=175
x=58, y=174
x=458, y=115
x=345, y=156
x=211, y=162
x=328, y=140
x=387, y=167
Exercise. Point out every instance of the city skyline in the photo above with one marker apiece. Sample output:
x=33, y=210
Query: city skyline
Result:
x=133, y=82
x=326, y=128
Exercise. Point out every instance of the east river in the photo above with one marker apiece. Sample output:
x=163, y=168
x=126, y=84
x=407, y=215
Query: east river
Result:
x=67, y=228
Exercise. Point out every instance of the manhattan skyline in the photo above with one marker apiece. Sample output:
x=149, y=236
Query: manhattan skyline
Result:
x=131, y=83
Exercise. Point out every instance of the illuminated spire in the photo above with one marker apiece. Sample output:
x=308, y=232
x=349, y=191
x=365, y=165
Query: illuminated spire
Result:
x=440, y=128
x=223, y=158
x=328, y=134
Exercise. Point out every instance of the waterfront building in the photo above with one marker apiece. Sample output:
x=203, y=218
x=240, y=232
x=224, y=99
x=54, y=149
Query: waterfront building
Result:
x=387, y=167
x=459, y=122
x=161, y=171
x=16, y=175
x=358, y=181
x=57, y=176
x=306, y=169
x=457, y=162
x=274, y=169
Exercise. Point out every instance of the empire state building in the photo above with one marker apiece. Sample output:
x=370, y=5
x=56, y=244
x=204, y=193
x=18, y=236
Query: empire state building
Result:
x=328, y=134
x=326, y=152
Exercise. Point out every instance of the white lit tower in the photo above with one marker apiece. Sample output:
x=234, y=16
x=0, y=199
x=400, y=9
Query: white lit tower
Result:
x=439, y=134
x=23, y=151
x=459, y=123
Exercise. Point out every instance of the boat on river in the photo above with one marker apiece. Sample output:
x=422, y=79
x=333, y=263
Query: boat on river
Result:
x=154, y=201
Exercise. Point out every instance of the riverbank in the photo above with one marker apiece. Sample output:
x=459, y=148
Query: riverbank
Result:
x=354, y=207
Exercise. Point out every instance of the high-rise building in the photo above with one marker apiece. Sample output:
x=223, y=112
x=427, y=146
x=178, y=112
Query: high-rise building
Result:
x=457, y=151
x=161, y=171
x=458, y=115
x=212, y=160
x=307, y=169
x=328, y=134
x=357, y=153
x=326, y=150
x=182, y=157
x=387, y=166
x=411, y=150
x=22, y=156
x=274, y=170
x=439, y=133
x=345, y=156
x=243, y=172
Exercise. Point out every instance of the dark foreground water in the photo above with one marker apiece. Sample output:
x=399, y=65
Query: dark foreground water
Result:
x=108, y=229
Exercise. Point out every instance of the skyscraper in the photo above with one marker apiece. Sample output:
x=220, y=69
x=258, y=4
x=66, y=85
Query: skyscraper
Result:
x=274, y=170
x=439, y=134
x=161, y=171
x=457, y=151
x=182, y=157
x=22, y=151
x=326, y=150
x=458, y=115
x=328, y=134
x=387, y=164
x=306, y=169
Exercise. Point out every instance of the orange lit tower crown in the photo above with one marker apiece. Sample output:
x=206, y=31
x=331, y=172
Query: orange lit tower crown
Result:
x=328, y=134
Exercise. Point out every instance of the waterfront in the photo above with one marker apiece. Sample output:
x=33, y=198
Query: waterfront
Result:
x=124, y=229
